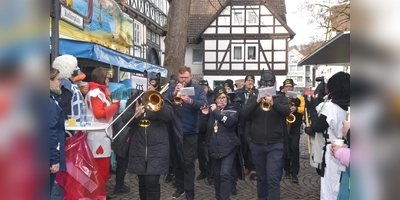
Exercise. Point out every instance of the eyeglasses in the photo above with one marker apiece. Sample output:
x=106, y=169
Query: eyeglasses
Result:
x=184, y=77
x=221, y=98
x=288, y=86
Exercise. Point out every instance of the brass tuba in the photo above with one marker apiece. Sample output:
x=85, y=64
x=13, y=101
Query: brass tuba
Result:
x=177, y=100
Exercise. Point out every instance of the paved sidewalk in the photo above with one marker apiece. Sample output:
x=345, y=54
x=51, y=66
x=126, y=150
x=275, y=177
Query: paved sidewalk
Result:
x=307, y=188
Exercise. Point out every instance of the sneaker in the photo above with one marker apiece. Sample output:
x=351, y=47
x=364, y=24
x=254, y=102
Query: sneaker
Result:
x=201, y=176
x=253, y=174
x=189, y=197
x=168, y=178
x=287, y=176
x=178, y=193
x=233, y=190
x=123, y=190
x=295, y=179
x=209, y=181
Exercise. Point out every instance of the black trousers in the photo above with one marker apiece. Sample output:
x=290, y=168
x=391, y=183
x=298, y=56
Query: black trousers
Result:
x=120, y=171
x=185, y=181
x=201, y=154
x=292, y=164
x=149, y=187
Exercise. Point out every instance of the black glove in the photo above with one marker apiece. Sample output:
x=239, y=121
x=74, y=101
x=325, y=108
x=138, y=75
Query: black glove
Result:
x=310, y=104
x=309, y=131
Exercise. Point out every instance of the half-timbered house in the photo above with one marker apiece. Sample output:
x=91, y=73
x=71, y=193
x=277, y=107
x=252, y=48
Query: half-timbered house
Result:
x=232, y=38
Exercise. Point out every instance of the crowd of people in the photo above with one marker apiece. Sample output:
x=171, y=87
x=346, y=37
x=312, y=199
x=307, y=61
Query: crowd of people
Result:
x=232, y=133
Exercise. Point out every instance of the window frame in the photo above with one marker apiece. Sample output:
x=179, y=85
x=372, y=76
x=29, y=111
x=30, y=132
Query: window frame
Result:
x=233, y=52
x=201, y=55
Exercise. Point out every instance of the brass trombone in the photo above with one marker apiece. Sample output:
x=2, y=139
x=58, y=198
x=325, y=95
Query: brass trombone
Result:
x=152, y=100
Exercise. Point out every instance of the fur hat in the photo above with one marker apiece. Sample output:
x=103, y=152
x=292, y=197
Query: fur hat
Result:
x=66, y=64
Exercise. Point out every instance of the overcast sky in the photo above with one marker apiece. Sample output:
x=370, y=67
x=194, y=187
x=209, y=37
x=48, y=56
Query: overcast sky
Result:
x=297, y=21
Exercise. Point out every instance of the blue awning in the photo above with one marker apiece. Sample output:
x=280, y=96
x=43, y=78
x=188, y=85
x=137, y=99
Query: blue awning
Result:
x=81, y=49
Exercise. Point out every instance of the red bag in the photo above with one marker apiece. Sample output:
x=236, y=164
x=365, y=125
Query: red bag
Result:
x=82, y=179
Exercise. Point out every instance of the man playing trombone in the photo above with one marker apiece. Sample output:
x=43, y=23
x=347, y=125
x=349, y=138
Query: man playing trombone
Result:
x=292, y=163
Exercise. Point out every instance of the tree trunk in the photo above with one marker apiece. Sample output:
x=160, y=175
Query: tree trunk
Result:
x=176, y=39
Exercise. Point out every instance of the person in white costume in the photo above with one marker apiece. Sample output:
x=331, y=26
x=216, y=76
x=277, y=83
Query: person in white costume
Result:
x=326, y=121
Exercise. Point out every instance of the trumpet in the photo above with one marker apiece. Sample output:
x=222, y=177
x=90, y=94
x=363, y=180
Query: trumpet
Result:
x=177, y=100
x=265, y=106
x=210, y=106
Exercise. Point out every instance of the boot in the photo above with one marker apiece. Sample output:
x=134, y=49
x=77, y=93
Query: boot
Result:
x=153, y=192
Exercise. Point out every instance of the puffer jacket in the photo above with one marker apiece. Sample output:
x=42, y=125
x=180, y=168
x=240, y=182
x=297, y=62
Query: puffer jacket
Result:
x=149, y=148
x=225, y=139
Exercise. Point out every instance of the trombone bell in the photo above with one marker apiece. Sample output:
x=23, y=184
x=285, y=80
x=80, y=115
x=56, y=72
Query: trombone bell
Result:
x=153, y=101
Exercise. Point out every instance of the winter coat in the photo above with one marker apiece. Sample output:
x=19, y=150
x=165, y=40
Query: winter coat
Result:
x=190, y=113
x=225, y=139
x=149, y=148
x=267, y=126
x=57, y=133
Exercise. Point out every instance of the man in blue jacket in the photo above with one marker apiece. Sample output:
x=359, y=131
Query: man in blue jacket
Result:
x=188, y=109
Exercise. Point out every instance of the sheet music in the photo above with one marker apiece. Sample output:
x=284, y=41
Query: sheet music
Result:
x=270, y=90
x=290, y=94
x=187, y=90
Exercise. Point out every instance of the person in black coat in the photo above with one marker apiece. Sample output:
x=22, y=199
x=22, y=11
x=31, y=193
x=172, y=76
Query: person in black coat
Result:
x=220, y=120
x=149, y=148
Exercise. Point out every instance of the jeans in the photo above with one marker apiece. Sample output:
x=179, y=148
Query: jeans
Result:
x=267, y=161
x=292, y=165
x=185, y=181
x=222, y=173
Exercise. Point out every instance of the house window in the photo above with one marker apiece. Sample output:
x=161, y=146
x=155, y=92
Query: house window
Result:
x=157, y=39
x=148, y=34
x=197, y=55
x=300, y=68
x=237, y=53
x=237, y=17
x=299, y=79
x=293, y=68
x=137, y=32
x=153, y=36
x=251, y=17
x=251, y=52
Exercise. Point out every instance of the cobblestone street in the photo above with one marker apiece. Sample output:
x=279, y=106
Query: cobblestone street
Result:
x=307, y=188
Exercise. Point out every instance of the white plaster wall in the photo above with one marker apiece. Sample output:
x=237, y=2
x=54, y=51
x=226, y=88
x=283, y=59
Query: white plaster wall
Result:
x=197, y=68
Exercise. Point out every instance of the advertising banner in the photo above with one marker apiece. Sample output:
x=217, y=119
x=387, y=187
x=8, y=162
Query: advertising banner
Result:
x=104, y=23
